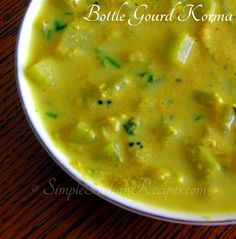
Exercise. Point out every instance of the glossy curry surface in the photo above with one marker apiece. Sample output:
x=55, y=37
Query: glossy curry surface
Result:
x=146, y=111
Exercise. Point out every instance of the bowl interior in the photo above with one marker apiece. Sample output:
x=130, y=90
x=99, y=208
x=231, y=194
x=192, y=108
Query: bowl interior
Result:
x=62, y=160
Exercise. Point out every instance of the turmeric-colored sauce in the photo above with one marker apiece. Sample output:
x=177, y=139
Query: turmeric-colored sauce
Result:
x=147, y=111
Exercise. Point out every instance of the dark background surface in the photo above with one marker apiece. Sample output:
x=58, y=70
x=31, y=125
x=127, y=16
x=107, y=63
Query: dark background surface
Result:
x=25, y=170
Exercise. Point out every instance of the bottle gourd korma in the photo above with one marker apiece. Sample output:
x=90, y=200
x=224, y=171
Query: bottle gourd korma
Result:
x=148, y=111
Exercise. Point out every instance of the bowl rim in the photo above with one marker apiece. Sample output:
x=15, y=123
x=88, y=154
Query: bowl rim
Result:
x=75, y=176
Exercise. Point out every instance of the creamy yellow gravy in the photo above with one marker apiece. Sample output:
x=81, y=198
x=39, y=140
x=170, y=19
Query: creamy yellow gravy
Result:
x=146, y=111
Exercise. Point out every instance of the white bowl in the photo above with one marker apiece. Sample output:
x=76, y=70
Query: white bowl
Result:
x=62, y=160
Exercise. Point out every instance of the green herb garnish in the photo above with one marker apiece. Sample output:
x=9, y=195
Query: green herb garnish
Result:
x=52, y=115
x=150, y=79
x=48, y=33
x=59, y=26
x=199, y=117
x=69, y=13
x=107, y=59
x=130, y=126
x=142, y=74
x=113, y=62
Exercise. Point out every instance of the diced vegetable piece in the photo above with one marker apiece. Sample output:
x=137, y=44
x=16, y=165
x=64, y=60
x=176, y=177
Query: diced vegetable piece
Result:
x=181, y=48
x=43, y=72
x=210, y=36
x=224, y=114
x=209, y=99
x=163, y=130
x=114, y=123
x=209, y=138
x=166, y=132
x=209, y=142
x=169, y=131
x=110, y=151
x=75, y=40
x=82, y=134
x=112, y=126
x=205, y=161
x=140, y=154
x=116, y=84
x=120, y=84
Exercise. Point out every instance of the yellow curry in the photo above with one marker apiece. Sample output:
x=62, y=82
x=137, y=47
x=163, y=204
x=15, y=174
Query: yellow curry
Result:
x=142, y=101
